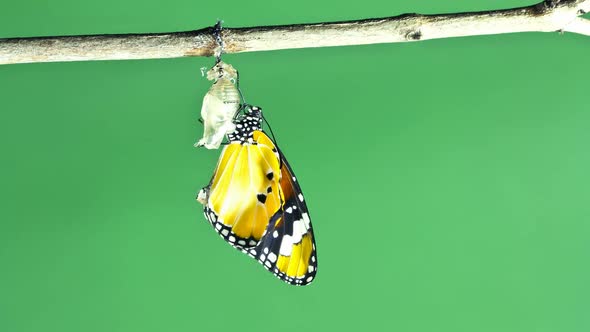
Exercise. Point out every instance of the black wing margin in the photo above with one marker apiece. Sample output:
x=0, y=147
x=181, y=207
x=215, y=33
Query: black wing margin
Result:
x=288, y=247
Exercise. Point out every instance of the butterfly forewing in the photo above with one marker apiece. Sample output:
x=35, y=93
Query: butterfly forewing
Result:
x=244, y=192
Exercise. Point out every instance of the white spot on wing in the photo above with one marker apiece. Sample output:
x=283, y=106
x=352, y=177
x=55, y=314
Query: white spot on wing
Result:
x=300, y=197
x=306, y=220
x=298, y=230
x=286, y=245
x=272, y=257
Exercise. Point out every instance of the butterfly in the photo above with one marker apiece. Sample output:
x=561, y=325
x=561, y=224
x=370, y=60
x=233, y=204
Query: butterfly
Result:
x=254, y=202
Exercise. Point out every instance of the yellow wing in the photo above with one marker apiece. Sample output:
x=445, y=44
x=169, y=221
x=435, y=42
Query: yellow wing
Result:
x=244, y=192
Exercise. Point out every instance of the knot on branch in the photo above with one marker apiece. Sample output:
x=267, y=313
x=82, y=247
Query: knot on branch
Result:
x=413, y=35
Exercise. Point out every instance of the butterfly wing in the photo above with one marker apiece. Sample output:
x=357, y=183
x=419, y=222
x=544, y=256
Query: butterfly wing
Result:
x=288, y=246
x=244, y=192
x=255, y=203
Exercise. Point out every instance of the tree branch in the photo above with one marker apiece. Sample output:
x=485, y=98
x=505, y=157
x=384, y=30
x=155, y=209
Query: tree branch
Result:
x=580, y=26
x=547, y=16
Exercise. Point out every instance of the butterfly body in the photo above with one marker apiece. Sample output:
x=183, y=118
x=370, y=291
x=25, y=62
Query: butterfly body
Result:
x=255, y=203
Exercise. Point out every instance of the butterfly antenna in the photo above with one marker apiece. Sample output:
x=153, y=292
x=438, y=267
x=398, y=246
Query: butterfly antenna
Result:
x=274, y=139
x=244, y=104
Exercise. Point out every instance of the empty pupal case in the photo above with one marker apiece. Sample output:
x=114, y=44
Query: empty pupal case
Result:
x=220, y=105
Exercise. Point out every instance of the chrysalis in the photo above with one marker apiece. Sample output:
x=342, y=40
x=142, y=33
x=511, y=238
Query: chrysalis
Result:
x=220, y=105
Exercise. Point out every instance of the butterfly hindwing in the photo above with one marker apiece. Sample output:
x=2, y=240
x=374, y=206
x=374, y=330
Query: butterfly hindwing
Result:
x=288, y=247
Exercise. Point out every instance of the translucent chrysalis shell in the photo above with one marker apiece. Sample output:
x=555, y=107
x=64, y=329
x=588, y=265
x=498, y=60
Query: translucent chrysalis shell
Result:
x=220, y=105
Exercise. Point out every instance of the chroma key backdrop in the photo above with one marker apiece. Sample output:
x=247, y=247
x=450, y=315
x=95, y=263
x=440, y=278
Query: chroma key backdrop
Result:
x=447, y=180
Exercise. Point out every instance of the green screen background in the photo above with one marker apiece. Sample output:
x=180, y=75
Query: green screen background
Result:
x=447, y=180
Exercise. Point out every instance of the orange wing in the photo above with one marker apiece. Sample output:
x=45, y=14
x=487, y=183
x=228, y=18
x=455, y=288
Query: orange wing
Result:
x=288, y=248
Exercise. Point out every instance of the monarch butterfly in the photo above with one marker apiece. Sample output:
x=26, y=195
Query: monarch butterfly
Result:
x=255, y=203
